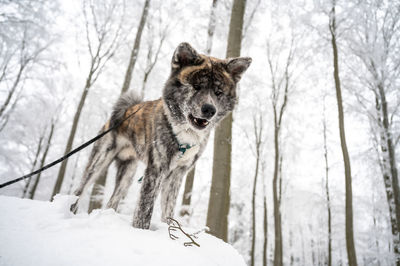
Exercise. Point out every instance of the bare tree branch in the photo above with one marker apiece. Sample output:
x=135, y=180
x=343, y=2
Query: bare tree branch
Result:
x=173, y=226
x=250, y=19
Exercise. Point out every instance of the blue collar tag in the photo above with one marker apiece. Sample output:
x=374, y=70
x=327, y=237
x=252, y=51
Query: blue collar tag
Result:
x=183, y=148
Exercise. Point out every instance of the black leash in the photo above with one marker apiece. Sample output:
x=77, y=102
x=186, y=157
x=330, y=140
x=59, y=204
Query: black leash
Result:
x=84, y=145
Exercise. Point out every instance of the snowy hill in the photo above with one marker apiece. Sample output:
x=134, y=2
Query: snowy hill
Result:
x=44, y=233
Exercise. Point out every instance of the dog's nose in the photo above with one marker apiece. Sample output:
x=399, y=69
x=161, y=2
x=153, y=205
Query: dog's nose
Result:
x=208, y=110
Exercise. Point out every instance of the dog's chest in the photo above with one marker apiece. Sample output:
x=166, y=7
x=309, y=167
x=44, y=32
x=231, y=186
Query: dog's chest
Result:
x=185, y=155
x=190, y=144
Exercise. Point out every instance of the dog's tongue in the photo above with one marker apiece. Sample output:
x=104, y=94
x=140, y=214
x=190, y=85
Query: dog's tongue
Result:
x=201, y=122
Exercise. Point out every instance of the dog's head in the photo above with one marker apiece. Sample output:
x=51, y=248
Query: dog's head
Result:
x=201, y=90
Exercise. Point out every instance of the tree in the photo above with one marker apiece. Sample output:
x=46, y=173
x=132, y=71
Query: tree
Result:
x=135, y=48
x=187, y=194
x=43, y=160
x=37, y=154
x=281, y=84
x=103, y=36
x=153, y=53
x=218, y=207
x=258, y=131
x=24, y=38
x=265, y=218
x=328, y=202
x=351, y=252
x=374, y=42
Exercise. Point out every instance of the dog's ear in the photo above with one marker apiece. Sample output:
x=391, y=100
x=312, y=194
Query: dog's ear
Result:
x=185, y=55
x=237, y=66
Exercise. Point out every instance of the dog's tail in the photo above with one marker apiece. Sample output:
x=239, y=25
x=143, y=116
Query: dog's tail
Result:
x=126, y=100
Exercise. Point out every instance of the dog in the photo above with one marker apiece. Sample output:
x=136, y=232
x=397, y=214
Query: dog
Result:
x=168, y=134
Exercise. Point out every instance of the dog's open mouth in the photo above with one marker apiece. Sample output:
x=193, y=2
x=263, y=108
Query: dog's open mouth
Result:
x=198, y=122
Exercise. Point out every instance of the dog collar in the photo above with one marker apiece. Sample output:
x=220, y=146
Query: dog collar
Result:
x=184, y=147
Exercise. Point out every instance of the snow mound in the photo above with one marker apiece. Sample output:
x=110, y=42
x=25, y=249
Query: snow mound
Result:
x=46, y=233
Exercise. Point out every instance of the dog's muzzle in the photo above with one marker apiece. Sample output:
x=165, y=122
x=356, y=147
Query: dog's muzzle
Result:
x=197, y=122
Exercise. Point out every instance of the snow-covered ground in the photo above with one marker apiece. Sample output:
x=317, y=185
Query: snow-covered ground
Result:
x=43, y=233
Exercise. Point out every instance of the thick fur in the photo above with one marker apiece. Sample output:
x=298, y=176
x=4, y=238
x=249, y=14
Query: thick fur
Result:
x=127, y=100
x=200, y=91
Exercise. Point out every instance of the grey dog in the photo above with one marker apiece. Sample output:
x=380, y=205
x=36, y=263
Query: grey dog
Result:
x=168, y=134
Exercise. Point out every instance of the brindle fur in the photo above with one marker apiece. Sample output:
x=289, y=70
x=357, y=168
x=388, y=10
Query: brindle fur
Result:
x=153, y=134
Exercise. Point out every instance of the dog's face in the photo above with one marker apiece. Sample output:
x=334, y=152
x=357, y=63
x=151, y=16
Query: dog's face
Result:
x=201, y=90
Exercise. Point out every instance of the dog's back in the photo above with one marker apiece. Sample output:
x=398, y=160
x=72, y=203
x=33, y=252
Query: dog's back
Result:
x=136, y=133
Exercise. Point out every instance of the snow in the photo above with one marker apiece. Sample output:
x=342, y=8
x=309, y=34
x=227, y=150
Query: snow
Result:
x=46, y=233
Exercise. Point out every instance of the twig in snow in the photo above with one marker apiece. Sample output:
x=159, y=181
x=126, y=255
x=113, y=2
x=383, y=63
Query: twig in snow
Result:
x=174, y=225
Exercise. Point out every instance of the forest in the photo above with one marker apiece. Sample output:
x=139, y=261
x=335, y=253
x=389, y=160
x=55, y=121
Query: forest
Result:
x=304, y=171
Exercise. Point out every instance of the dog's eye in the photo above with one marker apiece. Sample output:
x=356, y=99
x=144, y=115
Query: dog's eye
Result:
x=197, y=87
x=177, y=83
x=217, y=92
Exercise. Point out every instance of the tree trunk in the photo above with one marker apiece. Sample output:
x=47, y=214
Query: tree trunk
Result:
x=211, y=27
x=48, y=144
x=351, y=252
x=68, y=148
x=99, y=180
x=391, y=202
x=303, y=251
x=312, y=245
x=378, y=255
x=187, y=195
x=253, y=208
x=278, y=256
x=69, y=190
x=328, y=202
x=13, y=88
x=39, y=148
x=135, y=49
x=218, y=207
x=389, y=170
x=278, y=113
x=265, y=246
x=291, y=247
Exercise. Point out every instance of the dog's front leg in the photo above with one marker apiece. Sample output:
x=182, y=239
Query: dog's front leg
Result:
x=148, y=193
x=169, y=192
